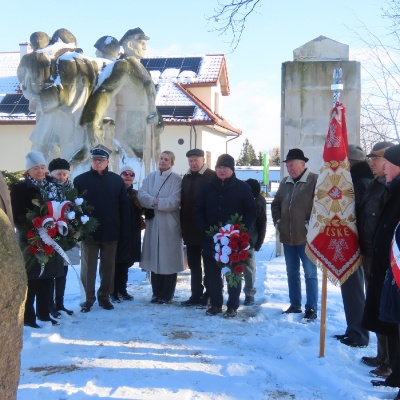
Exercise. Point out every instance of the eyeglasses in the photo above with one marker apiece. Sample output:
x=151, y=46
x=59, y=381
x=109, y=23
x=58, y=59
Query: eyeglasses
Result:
x=99, y=160
x=126, y=173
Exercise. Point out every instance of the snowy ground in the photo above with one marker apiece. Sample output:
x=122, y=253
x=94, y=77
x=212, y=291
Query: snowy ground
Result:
x=148, y=351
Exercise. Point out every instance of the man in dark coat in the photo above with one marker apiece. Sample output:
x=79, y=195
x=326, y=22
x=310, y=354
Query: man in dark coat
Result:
x=257, y=233
x=222, y=197
x=353, y=294
x=368, y=214
x=192, y=184
x=382, y=241
x=106, y=193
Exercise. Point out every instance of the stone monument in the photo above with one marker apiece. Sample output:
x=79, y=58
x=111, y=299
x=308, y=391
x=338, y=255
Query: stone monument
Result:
x=307, y=97
x=13, y=286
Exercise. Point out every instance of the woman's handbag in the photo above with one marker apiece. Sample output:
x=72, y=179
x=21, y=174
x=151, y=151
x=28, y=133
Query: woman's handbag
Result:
x=389, y=310
x=148, y=213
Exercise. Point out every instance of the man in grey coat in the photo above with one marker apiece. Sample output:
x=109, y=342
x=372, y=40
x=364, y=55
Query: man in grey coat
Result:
x=291, y=210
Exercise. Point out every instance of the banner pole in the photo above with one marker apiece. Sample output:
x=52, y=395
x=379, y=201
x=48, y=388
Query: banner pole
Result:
x=322, y=331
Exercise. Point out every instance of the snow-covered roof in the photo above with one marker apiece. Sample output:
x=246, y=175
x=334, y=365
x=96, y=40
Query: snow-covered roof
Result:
x=8, y=72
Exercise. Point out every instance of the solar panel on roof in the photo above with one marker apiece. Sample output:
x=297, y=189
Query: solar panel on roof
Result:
x=14, y=104
x=177, y=112
x=182, y=63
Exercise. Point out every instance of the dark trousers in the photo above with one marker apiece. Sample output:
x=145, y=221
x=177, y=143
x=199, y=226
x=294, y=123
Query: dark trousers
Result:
x=121, y=277
x=216, y=285
x=163, y=286
x=353, y=296
x=38, y=289
x=394, y=360
x=57, y=291
x=196, y=272
x=89, y=255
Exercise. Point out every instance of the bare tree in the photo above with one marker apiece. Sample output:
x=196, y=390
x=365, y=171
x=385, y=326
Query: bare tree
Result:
x=231, y=18
x=380, y=102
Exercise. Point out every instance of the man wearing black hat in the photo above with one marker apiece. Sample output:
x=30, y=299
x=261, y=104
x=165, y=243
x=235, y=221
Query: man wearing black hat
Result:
x=222, y=197
x=381, y=261
x=291, y=210
x=192, y=184
x=105, y=192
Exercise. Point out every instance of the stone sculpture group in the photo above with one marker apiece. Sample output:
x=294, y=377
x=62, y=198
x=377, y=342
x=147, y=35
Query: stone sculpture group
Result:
x=82, y=101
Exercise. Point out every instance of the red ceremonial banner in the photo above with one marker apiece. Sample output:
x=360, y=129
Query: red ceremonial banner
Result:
x=332, y=239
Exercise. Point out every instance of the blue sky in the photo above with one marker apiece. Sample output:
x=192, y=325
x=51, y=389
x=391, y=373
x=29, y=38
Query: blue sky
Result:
x=181, y=27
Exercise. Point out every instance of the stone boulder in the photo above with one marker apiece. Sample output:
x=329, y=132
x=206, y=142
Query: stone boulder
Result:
x=13, y=286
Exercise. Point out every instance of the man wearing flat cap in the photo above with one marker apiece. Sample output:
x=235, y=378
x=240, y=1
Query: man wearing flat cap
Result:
x=193, y=184
x=223, y=196
x=381, y=262
x=291, y=210
x=371, y=206
x=105, y=192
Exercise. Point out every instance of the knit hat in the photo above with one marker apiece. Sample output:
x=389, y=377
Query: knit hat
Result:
x=392, y=154
x=195, y=152
x=100, y=151
x=58, y=163
x=225, y=160
x=356, y=153
x=295, y=154
x=34, y=158
x=126, y=168
x=255, y=186
x=379, y=149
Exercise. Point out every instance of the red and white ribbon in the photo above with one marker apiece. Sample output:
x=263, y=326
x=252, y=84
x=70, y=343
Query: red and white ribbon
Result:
x=394, y=258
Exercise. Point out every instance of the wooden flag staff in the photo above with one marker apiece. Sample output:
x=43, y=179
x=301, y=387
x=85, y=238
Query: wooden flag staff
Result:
x=336, y=86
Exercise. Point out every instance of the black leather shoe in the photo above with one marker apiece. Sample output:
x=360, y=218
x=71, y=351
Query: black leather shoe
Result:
x=114, y=298
x=191, y=302
x=249, y=301
x=386, y=382
x=214, y=311
x=292, y=310
x=230, y=313
x=106, y=305
x=351, y=343
x=32, y=325
x=126, y=296
x=154, y=299
x=340, y=337
x=371, y=361
x=85, y=307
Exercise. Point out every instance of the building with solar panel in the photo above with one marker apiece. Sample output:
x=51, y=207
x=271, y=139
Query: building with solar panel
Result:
x=189, y=91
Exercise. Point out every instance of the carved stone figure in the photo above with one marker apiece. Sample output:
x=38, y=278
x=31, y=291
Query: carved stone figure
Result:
x=13, y=284
x=126, y=93
x=57, y=80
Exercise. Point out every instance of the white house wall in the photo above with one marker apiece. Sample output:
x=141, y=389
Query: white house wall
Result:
x=15, y=144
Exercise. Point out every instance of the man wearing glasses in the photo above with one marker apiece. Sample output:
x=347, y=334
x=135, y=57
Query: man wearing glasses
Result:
x=105, y=192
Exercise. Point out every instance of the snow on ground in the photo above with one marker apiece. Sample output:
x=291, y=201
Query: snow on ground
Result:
x=146, y=351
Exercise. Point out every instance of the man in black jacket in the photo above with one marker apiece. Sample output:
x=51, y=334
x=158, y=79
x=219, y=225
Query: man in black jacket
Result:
x=192, y=184
x=222, y=197
x=257, y=234
x=106, y=193
x=353, y=294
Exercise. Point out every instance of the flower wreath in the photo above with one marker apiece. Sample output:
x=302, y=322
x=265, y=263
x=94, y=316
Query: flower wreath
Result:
x=57, y=226
x=231, y=245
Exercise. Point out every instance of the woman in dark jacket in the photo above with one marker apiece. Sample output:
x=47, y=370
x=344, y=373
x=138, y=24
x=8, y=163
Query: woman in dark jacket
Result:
x=34, y=185
x=131, y=253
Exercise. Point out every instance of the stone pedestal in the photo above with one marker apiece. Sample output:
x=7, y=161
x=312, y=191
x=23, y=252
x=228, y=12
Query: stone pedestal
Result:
x=307, y=98
x=13, y=286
